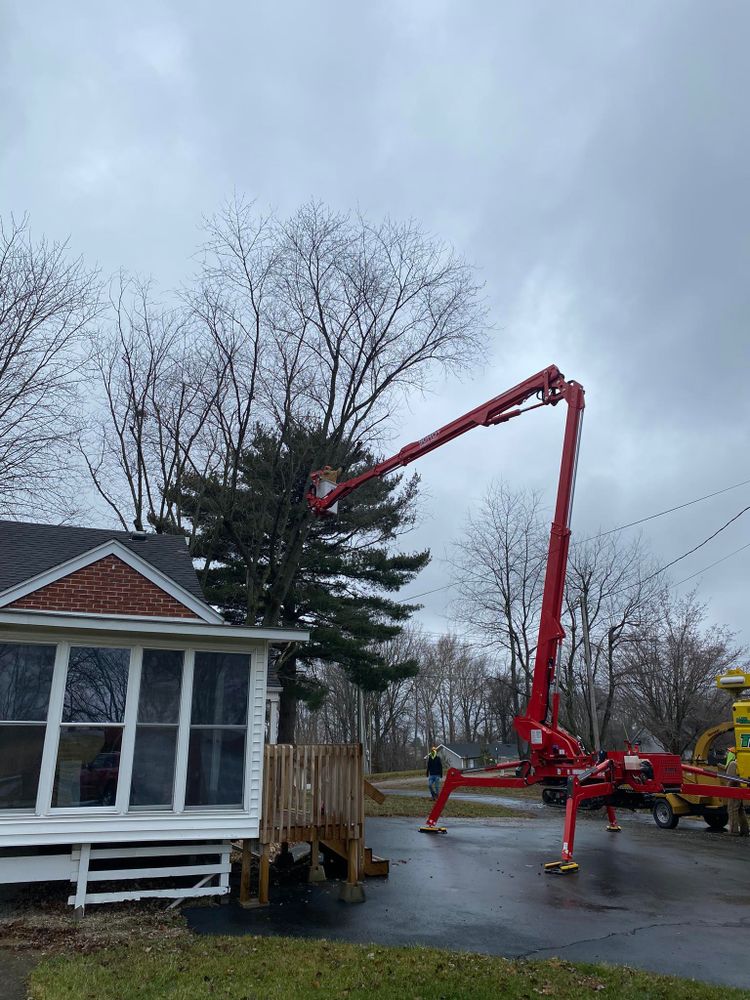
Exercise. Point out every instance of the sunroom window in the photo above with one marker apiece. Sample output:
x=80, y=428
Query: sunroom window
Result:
x=25, y=681
x=218, y=730
x=156, y=732
x=88, y=756
x=119, y=729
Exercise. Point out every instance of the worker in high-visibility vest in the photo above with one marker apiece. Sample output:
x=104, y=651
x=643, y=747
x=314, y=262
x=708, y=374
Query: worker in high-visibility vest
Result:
x=738, y=826
x=434, y=772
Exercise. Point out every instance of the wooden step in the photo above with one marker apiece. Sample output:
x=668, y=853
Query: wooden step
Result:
x=373, y=793
x=372, y=864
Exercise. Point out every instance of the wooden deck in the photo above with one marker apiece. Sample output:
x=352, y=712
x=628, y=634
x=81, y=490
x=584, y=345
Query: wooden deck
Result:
x=315, y=789
x=314, y=793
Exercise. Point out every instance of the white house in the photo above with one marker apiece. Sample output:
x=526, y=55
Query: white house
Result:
x=132, y=718
x=464, y=756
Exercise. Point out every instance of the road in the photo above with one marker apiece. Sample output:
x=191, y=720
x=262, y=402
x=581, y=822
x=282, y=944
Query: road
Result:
x=670, y=901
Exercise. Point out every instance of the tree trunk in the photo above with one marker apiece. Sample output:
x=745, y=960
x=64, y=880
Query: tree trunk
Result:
x=288, y=702
x=287, y=717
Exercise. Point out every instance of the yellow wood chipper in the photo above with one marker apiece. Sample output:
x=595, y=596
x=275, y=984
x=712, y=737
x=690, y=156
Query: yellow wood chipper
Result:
x=668, y=809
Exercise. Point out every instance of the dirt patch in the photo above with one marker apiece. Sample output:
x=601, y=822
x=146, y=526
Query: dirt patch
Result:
x=37, y=919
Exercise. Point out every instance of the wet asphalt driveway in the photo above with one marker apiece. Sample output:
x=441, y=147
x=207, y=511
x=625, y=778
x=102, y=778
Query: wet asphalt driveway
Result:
x=675, y=902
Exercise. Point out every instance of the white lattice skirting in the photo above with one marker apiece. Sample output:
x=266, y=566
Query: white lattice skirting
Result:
x=76, y=867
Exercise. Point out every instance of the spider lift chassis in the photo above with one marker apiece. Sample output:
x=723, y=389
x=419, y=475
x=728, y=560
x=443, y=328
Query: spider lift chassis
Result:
x=616, y=778
x=621, y=779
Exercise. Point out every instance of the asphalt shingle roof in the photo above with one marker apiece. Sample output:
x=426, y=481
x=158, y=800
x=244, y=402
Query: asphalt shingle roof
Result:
x=26, y=550
x=465, y=749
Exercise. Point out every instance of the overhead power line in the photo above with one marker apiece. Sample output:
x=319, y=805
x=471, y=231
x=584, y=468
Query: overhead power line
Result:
x=700, y=544
x=662, y=568
x=661, y=513
x=426, y=593
x=631, y=524
x=711, y=565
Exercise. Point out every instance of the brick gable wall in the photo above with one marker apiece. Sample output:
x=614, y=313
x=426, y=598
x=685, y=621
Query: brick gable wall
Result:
x=107, y=587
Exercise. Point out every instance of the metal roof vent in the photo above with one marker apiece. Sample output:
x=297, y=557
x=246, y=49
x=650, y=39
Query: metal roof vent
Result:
x=138, y=536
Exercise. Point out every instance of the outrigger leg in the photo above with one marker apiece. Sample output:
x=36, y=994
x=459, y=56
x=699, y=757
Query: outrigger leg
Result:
x=612, y=826
x=566, y=864
x=431, y=823
x=577, y=793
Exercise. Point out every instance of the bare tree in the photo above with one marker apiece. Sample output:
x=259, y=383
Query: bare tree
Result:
x=669, y=681
x=498, y=566
x=620, y=589
x=447, y=700
x=153, y=426
x=47, y=302
x=389, y=713
x=452, y=690
x=500, y=712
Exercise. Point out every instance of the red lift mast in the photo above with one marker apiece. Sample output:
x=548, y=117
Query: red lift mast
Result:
x=556, y=760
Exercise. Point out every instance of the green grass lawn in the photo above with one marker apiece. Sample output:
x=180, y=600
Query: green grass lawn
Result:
x=254, y=968
x=385, y=775
x=407, y=780
x=414, y=805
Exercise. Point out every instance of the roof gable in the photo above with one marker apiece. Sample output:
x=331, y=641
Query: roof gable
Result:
x=167, y=597
x=29, y=550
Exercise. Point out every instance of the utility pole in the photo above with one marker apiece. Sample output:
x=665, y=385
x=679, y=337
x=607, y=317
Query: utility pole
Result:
x=590, y=674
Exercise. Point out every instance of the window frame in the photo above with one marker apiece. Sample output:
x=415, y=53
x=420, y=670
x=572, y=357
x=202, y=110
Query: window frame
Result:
x=245, y=806
x=122, y=809
x=177, y=726
x=34, y=641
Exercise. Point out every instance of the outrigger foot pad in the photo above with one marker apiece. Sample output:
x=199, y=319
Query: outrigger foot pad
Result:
x=561, y=867
x=614, y=828
x=433, y=829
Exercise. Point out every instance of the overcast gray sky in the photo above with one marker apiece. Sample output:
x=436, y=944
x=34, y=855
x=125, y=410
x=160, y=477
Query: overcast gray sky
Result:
x=591, y=158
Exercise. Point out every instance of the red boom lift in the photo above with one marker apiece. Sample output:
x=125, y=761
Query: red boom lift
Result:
x=557, y=761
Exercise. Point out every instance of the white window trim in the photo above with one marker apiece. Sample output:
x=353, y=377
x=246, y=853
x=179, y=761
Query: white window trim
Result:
x=115, y=548
x=183, y=629
x=52, y=736
x=244, y=806
x=129, y=720
x=183, y=733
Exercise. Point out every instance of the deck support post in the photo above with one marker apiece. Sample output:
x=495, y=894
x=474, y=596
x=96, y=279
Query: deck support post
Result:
x=352, y=891
x=316, y=872
x=245, y=897
x=265, y=875
x=247, y=900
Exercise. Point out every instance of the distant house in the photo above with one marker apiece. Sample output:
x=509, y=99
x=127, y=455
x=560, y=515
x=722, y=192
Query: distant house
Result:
x=132, y=717
x=464, y=756
x=500, y=751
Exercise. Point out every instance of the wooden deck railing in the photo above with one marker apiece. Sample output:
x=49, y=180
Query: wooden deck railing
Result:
x=311, y=792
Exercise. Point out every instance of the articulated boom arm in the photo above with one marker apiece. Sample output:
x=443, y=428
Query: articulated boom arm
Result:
x=567, y=773
x=548, y=387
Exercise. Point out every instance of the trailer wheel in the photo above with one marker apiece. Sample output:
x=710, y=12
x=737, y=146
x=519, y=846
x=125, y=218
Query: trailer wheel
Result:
x=717, y=820
x=664, y=816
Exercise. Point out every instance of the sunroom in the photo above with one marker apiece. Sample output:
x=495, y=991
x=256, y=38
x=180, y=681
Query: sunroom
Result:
x=126, y=732
x=138, y=731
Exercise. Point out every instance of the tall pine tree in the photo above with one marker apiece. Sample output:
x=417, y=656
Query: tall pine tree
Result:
x=344, y=569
